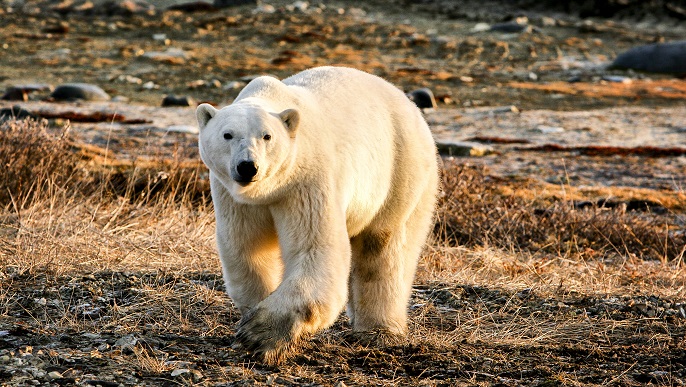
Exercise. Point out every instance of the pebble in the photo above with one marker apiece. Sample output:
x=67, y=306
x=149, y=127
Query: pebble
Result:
x=509, y=27
x=130, y=79
x=481, y=27
x=174, y=100
x=79, y=91
x=233, y=85
x=169, y=55
x=127, y=341
x=668, y=58
x=126, y=8
x=463, y=148
x=423, y=98
x=616, y=79
x=549, y=129
x=264, y=8
x=180, y=371
x=300, y=6
x=54, y=375
x=150, y=85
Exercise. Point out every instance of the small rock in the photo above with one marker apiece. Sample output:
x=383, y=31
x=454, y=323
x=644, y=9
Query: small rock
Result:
x=547, y=21
x=234, y=85
x=423, y=98
x=466, y=79
x=616, y=79
x=549, y=129
x=79, y=91
x=232, y=3
x=668, y=58
x=130, y=79
x=504, y=110
x=126, y=8
x=509, y=27
x=180, y=371
x=61, y=27
x=126, y=342
x=54, y=375
x=533, y=76
x=264, y=8
x=159, y=37
x=356, y=12
x=150, y=85
x=174, y=100
x=463, y=148
x=481, y=27
x=300, y=6
x=15, y=94
x=172, y=55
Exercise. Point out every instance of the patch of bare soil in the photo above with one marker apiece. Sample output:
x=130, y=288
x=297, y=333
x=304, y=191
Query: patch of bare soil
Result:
x=113, y=328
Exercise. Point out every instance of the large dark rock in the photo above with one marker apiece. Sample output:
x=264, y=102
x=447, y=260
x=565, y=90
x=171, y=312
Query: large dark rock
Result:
x=175, y=100
x=21, y=92
x=79, y=91
x=667, y=58
x=423, y=98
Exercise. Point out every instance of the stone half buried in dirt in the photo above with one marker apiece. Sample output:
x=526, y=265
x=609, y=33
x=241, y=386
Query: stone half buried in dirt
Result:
x=463, y=148
x=175, y=100
x=21, y=92
x=79, y=91
x=666, y=58
x=423, y=98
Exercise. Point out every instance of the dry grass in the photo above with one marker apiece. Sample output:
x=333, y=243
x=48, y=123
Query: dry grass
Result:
x=476, y=211
x=119, y=251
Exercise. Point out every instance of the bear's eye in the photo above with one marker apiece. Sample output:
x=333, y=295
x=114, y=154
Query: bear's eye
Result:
x=267, y=137
x=228, y=136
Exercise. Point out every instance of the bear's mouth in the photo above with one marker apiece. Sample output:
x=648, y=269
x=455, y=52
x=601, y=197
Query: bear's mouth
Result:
x=244, y=183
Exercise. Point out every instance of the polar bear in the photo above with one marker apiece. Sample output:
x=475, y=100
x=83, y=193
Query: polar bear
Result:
x=324, y=188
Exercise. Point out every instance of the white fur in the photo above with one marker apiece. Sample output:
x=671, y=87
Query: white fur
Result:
x=339, y=210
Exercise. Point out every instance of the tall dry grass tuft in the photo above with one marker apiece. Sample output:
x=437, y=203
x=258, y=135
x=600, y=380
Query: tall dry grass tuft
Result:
x=60, y=213
x=475, y=211
x=34, y=160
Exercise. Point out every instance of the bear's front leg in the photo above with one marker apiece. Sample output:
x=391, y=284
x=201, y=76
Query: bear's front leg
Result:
x=316, y=253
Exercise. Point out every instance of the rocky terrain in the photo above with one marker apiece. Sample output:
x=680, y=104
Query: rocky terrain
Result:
x=558, y=254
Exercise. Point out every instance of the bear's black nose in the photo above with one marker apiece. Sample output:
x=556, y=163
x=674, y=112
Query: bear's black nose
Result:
x=246, y=170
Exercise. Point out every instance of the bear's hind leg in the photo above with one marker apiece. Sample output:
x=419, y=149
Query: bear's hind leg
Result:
x=383, y=269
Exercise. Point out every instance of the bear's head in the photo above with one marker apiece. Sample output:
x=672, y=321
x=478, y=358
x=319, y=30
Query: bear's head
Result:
x=247, y=147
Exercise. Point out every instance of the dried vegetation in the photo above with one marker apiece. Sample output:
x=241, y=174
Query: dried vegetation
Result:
x=108, y=274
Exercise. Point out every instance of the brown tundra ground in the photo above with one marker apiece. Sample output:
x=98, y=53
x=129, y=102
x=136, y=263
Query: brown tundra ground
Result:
x=557, y=256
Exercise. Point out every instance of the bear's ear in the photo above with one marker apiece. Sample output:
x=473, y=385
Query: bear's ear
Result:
x=291, y=119
x=204, y=114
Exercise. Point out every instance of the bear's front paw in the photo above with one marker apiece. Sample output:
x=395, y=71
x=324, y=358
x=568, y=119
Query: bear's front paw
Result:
x=269, y=336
